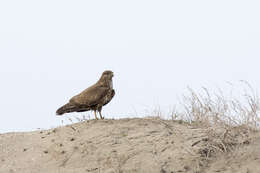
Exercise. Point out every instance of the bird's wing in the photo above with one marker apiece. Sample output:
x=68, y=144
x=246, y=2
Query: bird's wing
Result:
x=90, y=96
x=109, y=96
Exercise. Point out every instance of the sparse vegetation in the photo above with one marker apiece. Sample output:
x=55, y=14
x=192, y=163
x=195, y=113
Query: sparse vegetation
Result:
x=218, y=109
x=227, y=121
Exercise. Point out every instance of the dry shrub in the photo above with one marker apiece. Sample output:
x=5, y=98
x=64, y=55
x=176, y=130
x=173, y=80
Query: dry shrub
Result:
x=214, y=108
x=219, y=140
x=228, y=121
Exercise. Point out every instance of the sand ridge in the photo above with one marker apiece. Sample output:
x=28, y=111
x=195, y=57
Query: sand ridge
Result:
x=140, y=145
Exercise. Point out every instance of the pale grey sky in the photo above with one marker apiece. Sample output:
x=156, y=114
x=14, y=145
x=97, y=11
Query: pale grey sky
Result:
x=51, y=50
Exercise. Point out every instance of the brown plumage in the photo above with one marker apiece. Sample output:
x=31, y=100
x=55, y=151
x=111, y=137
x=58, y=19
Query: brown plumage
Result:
x=92, y=98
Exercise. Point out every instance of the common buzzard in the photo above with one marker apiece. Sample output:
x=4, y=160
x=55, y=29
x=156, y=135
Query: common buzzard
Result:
x=92, y=98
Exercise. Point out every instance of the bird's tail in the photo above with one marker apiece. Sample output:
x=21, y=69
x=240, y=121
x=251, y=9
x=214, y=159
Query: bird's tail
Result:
x=66, y=109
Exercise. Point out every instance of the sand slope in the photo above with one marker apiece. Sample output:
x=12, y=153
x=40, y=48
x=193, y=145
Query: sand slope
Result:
x=144, y=145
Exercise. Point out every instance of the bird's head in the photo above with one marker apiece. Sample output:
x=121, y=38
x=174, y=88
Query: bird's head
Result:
x=108, y=74
x=106, y=78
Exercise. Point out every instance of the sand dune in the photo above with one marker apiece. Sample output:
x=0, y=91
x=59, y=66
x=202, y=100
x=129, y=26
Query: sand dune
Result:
x=147, y=145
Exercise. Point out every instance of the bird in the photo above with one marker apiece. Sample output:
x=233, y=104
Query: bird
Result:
x=92, y=98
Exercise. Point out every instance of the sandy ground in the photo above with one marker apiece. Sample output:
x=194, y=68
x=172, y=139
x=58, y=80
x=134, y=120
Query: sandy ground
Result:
x=148, y=145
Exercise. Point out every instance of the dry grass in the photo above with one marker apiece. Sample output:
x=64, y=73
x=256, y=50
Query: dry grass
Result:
x=218, y=109
x=229, y=121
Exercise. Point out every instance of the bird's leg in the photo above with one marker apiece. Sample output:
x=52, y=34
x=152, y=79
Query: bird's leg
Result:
x=100, y=115
x=95, y=115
